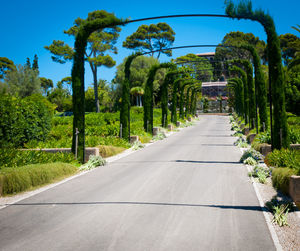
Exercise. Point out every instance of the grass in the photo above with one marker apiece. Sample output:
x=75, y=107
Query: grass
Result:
x=108, y=151
x=14, y=180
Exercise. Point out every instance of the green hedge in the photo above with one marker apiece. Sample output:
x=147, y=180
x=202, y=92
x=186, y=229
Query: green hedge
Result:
x=14, y=180
x=281, y=177
x=16, y=158
x=284, y=158
x=23, y=120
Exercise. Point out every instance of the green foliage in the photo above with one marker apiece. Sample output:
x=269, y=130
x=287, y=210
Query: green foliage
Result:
x=94, y=161
x=149, y=38
x=284, y=158
x=251, y=153
x=250, y=161
x=200, y=67
x=137, y=145
x=14, y=180
x=281, y=178
x=280, y=210
x=46, y=84
x=23, y=120
x=23, y=81
x=15, y=158
x=261, y=173
x=290, y=45
x=6, y=65
x=292, y=90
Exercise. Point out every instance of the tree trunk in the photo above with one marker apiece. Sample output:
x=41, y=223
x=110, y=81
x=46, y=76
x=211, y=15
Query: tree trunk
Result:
x=94, y=71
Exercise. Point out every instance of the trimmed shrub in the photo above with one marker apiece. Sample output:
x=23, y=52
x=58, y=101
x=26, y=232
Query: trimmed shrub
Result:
x=23, y=120
x=281, y=177
x=14, y=180
x=284, y=158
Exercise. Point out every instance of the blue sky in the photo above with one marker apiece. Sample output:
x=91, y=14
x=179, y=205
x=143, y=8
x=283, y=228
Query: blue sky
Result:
x=27, y=26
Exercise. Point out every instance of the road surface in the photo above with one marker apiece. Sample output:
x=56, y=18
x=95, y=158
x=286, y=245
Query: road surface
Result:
x=187, y=192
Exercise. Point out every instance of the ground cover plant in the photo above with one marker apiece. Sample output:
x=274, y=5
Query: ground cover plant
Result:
x=18, y=179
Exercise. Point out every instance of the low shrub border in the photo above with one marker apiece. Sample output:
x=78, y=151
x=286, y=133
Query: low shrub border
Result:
x=19, y=179
x=281, y=177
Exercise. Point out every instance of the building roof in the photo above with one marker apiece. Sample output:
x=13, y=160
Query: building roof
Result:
x=205, y=54
x=209, y=84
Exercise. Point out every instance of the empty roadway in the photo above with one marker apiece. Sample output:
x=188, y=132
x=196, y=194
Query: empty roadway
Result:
x=187, y=192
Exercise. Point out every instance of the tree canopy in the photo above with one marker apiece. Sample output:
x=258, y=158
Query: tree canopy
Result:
x=6, y=65
x=290, y=45
x=23, y=81
x=150, y=38
x=201, y=67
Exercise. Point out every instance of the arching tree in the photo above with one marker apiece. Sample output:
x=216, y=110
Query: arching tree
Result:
x=247, y=66
x=148, y=97
x=100, y=43
x=243, y=10
x=260, y=86
x=238, y=95
x=239, y=71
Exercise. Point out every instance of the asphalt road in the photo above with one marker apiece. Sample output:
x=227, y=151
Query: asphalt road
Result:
x=187, y=192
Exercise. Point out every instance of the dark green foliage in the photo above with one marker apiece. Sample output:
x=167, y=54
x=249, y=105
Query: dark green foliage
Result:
x=276, y=79
x=260, y=86
x=23, y=120
x=290, y=46
x=281, y=178
x=35, y=64
x=284, y=158
x=125, y=111
x=240, y=71
x=176, y=85
x=187, y=101
x=6, y=65
x=292, y=90
x=16, y=158
x=125, y=106
x=148, y=97
x=84, y=31
x=169, y=79
x=149, y=38
x=46, y=84
x=14, y=180
x=250, y=89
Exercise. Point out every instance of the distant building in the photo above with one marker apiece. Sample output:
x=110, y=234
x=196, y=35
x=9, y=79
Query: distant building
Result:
x=214, y=89
x=208, y=55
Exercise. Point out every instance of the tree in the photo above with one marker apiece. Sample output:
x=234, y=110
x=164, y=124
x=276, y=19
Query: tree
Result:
x=235, y=39
x=99, y=44
x=137, y=92
x=6, y=65
x=201, y=67
x=139, y=70
x=61, y=97
x=46, y=84
x=35, y=64
x=150, y=38
x=23, y=81
x=290, y=45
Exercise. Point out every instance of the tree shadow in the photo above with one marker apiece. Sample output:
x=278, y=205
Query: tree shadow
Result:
x=226, y=207
x=208, y=162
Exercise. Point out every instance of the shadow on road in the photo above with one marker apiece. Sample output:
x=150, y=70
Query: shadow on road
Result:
x=248, y=208
x=207, y=162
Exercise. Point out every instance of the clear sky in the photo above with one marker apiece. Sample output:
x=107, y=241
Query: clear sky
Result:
x=27, y=26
